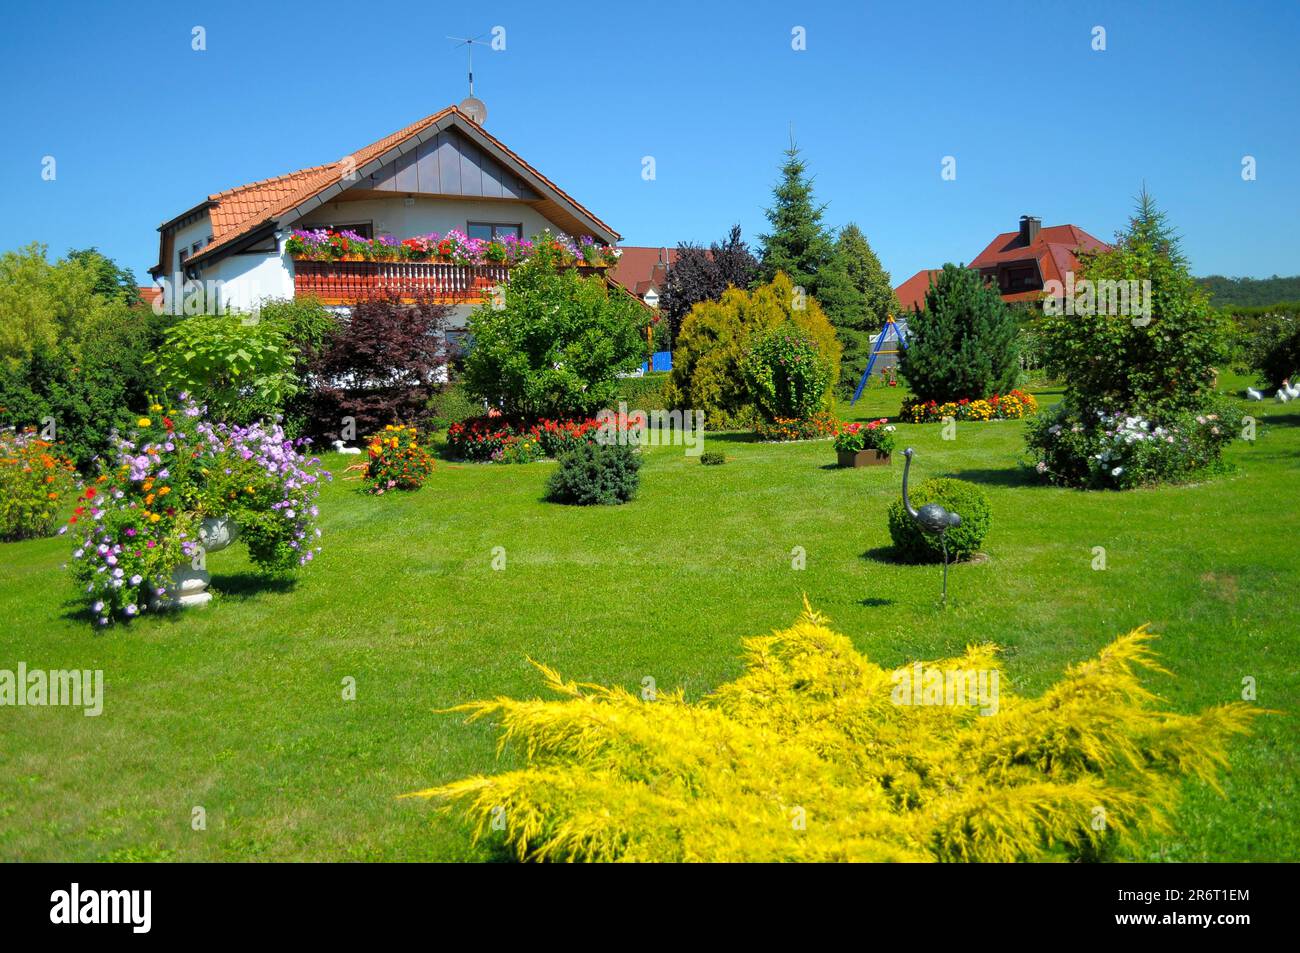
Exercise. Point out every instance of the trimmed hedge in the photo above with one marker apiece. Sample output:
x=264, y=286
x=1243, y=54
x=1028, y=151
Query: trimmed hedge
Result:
x=956, y=496
x=643, y=393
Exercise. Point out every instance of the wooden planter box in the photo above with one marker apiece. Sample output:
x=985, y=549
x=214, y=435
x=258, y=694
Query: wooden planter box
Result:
x=863, y=458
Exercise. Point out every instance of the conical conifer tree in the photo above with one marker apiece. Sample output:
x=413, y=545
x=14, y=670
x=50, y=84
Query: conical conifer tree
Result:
x=964, y=344
x=799, y=243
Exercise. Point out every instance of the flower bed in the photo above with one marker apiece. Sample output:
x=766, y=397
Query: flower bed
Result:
x=1102, y=450
x=397, y=460
x=454, y=247
x=875, y=435
x=34, y=479
x=817, y=427
x=888, y=377
x=1012, y=405
x=502, y=439
x=140, y=518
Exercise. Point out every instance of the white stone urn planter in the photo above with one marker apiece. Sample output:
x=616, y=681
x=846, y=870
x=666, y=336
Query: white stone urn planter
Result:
x=189, y=584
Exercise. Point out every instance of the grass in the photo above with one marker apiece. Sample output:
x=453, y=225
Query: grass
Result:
x=238, y=708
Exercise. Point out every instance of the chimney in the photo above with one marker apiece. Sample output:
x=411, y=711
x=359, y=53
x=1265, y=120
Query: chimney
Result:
x=1029, y=226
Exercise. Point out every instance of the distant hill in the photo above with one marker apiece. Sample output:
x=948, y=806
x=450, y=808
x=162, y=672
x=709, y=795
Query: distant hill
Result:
x=1250, y=292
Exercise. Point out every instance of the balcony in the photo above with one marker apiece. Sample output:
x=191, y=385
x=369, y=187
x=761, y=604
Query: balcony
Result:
x=347, y=282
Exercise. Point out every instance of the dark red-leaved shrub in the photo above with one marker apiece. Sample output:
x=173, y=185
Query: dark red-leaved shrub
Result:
x=380, y=366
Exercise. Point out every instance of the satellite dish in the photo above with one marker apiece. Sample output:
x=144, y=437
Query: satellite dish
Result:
x=473, y=108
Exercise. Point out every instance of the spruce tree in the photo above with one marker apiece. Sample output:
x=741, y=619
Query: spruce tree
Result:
x=964, y=344
x=867, y=275
x=1156, y=363
x=799, y=244
x=858, y=296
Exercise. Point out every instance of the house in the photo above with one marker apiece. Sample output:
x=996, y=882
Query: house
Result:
x=444, y=172
x=642, y=271
x=911, y=293
x=1020, y=263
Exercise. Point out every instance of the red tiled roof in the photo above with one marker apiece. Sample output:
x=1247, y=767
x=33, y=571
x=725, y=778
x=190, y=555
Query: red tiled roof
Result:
x=237, y=212
x=911, y=293
x=1055, y=250
x=639, y=268
x=234, y=208
x=149, y=294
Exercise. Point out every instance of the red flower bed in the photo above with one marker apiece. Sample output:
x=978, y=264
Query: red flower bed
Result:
x=513, y=439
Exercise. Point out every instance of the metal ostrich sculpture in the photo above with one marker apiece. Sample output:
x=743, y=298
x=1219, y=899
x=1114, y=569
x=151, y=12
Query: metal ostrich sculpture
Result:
x=932, y=518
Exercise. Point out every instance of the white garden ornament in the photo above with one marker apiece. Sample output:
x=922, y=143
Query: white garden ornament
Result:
x=189, y=585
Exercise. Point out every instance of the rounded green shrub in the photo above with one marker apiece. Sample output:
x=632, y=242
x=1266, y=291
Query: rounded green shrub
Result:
x=593, y=473
x=452, y=405
x=713, y=458
x=956, y=496
x=786, y=375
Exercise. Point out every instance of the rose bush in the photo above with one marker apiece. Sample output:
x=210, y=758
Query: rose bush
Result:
x=786, y=375
x=1120, y=451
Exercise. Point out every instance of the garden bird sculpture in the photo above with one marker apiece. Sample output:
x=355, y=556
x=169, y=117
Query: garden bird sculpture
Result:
x=931, y=518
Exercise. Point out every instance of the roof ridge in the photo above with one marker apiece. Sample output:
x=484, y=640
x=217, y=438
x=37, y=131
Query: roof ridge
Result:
x=304, y=184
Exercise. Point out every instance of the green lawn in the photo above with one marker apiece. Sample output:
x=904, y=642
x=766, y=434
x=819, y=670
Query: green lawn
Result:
x=237, y=707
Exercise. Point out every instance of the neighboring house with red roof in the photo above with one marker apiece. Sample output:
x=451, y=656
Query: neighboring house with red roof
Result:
x=1020, y=263
x=911, y=293
x=642, y=271
x=444, y=172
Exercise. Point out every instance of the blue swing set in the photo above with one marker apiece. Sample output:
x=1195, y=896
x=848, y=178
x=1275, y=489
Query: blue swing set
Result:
x=891, y=339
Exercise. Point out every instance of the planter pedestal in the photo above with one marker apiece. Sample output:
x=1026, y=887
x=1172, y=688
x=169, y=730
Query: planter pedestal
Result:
x=189, y=582
x=863, y=458
x=188, y=588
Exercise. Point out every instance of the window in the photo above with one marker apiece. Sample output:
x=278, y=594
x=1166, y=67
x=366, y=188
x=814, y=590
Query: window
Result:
x=1016, y=279
x=489, y=231
x=361, y=228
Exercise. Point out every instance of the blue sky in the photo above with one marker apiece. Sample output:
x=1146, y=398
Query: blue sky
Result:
x=142, y=126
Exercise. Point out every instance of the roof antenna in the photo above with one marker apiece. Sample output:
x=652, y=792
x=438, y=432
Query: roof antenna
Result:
x=472, y=107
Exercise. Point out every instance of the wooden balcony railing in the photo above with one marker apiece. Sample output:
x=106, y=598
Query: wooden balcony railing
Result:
x=347, y=282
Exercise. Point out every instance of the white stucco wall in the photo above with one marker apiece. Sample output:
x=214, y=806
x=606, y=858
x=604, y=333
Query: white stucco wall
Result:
x=198, y=231
x=391, y=216
x=248, y=280
x=173, y=279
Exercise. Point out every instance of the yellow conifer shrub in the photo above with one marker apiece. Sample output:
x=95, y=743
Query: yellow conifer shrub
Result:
x=715, y=336
x=809, y=755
